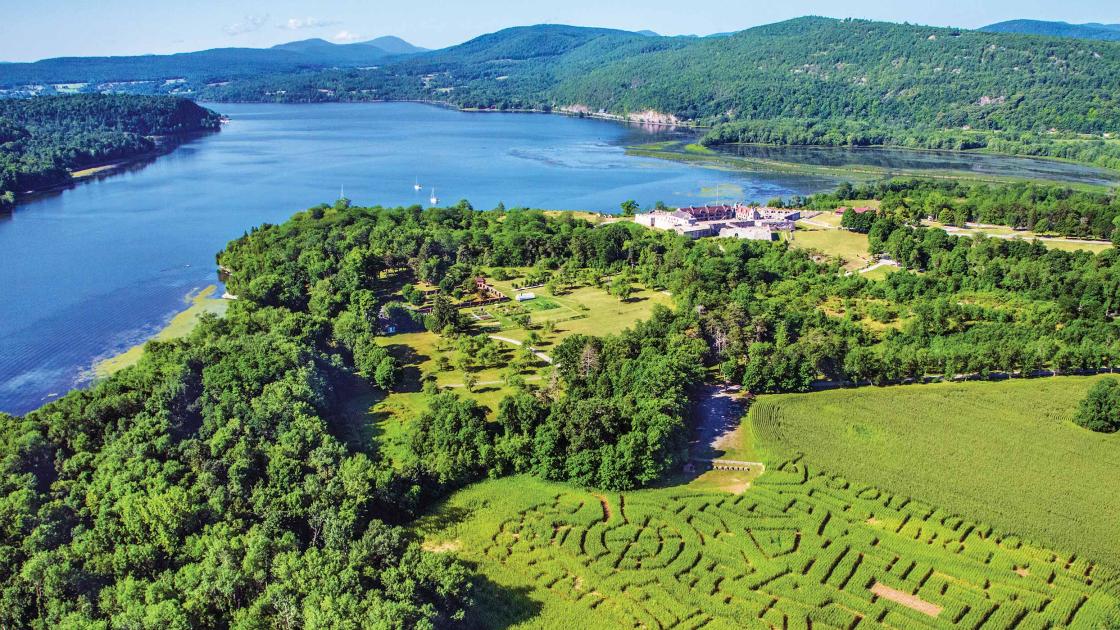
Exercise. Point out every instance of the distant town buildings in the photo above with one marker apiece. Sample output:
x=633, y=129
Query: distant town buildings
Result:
x=728, y=221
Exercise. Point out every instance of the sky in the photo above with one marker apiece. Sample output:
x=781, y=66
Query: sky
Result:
x=53, y=28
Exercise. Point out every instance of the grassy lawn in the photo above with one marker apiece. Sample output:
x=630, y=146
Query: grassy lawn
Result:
x=851, y=247
x=584, y=310
x=1065, y=246
x=798, y=549
x=830, y=219
x=1004, y=453
x=879, y=273
x=180, y=326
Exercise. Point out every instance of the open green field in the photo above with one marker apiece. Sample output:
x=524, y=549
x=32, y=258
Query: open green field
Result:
x=797, y=550
x=584, y=310
x=1004, y=453
x=851, y=247
x=180, y=326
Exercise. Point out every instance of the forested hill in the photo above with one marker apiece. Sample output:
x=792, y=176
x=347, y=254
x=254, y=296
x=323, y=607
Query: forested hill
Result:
x=43, y=139
x=1106, y=32
x=809, y=67
x=193, y=69
x=871, y=71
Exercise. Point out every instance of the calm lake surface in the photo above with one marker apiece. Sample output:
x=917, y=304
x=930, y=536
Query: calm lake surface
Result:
x=102, y=266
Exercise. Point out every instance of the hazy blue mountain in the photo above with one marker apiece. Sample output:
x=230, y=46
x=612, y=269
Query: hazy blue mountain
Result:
x=648, y=33
x=393, y=45
x=1106, y=32
x=206, y=66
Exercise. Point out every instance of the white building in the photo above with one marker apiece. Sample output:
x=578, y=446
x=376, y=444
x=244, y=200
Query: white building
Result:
x=728, y=221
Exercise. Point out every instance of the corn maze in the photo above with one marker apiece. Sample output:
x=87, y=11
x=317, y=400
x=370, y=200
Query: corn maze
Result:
x=798, y=550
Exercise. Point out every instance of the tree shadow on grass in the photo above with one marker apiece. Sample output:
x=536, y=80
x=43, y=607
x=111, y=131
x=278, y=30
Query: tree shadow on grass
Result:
x=497, y=606
x=409, y=359
x=350, y=420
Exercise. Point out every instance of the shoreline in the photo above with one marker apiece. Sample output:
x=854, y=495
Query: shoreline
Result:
x=685, y=125
x=164, y=146
x=178, y=326
x=679, y=152
x=895, y=147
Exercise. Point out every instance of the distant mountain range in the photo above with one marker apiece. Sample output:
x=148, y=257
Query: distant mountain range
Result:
x=859, y=75
x=206, y=66
x=1104, y=32
x=388, y=45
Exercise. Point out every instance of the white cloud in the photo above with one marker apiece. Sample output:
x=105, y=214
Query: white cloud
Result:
x=248, y=25
x=346, y=36
x=298, y=24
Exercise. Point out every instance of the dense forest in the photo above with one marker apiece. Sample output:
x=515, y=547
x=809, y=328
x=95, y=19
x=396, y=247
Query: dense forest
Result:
x=43, y=139
x=809, y=80
x=221, y=481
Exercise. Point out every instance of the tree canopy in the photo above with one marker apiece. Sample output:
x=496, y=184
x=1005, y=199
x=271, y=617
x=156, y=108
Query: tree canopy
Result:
x=1100, y=410
x=42, y=139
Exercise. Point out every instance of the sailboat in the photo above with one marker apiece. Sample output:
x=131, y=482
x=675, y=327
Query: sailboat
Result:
x=417, y=185
x=434, y=199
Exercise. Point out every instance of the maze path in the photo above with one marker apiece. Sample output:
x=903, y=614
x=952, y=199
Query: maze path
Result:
x=799, y=550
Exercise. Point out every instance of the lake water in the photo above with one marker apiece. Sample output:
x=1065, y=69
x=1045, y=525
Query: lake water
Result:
x=103, y=265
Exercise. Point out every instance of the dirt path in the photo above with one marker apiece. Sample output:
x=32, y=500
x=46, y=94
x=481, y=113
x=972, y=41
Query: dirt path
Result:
x=606, y=507
x=881, y=263
x=485, y=383
x=903, y=598
x=537, y=353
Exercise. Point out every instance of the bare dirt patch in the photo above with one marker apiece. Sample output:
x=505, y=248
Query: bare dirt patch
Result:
x=873, y=521
x=606, y=507
x=443, y=546
x=733, y=481
x=1023, y=571
x=903, y=598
